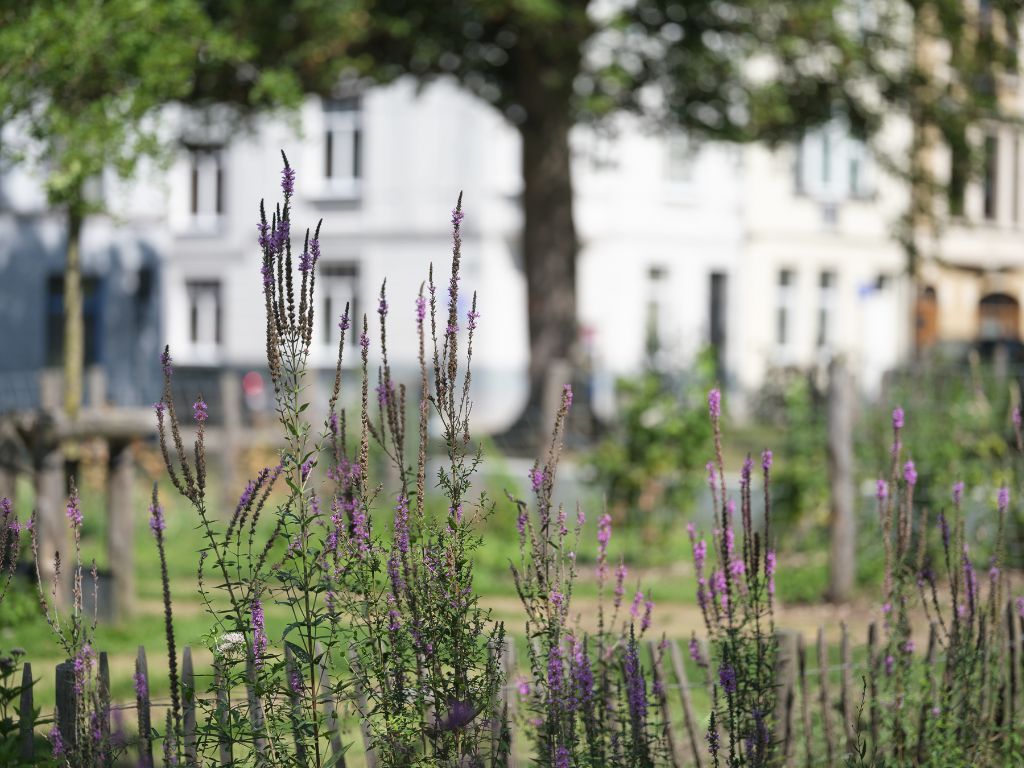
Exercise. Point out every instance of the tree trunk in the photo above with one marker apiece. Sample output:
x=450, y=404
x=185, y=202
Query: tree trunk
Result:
x=74, y=331
x=549, y=254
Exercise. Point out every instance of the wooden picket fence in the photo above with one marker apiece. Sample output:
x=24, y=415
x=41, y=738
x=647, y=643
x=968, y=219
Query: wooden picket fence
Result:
x=817, y=720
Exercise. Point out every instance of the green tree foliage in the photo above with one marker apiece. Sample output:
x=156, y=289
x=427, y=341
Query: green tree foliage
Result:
x=550, y=65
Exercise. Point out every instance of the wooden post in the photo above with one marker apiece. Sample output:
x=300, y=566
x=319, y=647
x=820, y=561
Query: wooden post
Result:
x=363, y=710
x=826, y=704
x=188, y=706
x=67, y=705
x=696, y=740
x=805, y=711
x=510, y=669
x=121, y=527
x=330, y=710
x=50, y=487
x=103, y=679
x=926, y=704
x=1012, y=642
x=504, y=660
x=842, y=526
x=873, y=683
x=256, y=716
x=142, y=701
x=26, y=717
x=295, y=701
x=675, y=752
x=223, y=716
x=785, y=687
x=846, y=660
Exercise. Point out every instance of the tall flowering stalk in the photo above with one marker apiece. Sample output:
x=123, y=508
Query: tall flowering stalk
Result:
x=421, y=647
x=392, y=615
x=955, y=713
x=587, y=701
x=89, y=744
x=735, y=591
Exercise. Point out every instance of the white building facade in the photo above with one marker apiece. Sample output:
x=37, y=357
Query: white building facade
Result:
x=779, y=258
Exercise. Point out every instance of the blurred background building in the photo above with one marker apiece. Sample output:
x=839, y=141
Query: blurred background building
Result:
x=776, y=258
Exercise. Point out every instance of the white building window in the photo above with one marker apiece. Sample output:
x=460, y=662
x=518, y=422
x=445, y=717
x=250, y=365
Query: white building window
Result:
x=338, y=284
x=832, y=166
x=679, y=165
x=826, y=309
x=205, y=325
x=343, y=146
x=206, y=188
x=785, y=305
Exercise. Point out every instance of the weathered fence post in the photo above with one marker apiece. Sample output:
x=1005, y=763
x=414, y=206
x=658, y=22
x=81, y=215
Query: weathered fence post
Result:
x=50, y=487
x=330, y=709
x=294, y=700
x=27, y=716
x=678, y=666
x=1012, y=642
x=120, y=526
x=188, y=706
x=256, y=717
x=103, y=678
x=872, y=683
x=675, y=755
x=785, y=687
x=223, y=715
x=363, y=710
x=805, y=711
x=846, y=663
x=67, y=705
x=926, y=704
x=505, y=661
x=840, y=469
x=142, y=701
x=826, y=704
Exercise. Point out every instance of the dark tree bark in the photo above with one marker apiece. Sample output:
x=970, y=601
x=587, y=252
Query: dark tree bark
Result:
x=549, y=249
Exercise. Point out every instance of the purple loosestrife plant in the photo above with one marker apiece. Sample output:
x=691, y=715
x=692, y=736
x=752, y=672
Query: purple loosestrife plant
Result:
x=394, y=615
x=588, y=701
x=75, y=633
x=735, y=575
x=948, y=708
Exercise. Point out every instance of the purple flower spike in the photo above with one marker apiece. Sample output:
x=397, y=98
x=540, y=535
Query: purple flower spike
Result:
x=958, y=492
x=156, y=518
x=897, y=418
x=910, y=473
x=421, y=309
x=199, y=411
x=766, y=460
x=727, y=679
x=881, y=490
x=288, y=181
x=715, y=404
x=1004, y=498
x=259, y=632
x=74, y=510
x=567, y=395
